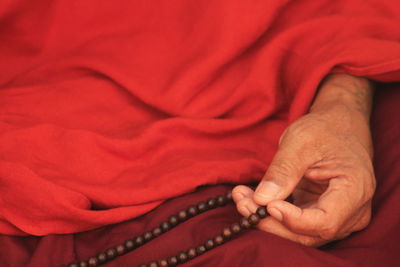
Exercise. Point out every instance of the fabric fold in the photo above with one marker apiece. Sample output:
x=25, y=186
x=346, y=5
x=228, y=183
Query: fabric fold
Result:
x=114, y=108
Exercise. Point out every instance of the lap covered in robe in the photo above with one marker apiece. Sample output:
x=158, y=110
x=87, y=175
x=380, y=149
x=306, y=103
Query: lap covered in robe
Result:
x=377, y=245
x=110, y=108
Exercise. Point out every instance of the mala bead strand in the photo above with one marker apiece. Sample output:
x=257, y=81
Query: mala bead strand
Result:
x=227, y=233
x=173, y=221
x=165, y=226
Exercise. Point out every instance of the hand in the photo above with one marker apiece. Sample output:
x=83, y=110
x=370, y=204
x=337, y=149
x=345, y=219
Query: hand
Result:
x=324, y=162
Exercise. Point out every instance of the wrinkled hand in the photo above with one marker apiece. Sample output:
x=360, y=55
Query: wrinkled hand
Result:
x=324, y=162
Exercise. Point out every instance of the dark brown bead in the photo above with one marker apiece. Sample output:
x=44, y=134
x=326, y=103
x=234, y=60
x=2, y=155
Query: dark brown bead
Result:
x=201, y=249
x=139, y=240
x=211, y=203
x=165, y=226
x=173, y=261
x=262, y=212
x=191, y=253
x=182, y=215
x=173, y=220
x=93, y=262
x=129, y=245
x=111, y=253
x=182, y=257
x=244, y=223
x=226, y=233
x=192, y=211
x=254, y=219
x=147, y=236
x=83, y=264
x=218, y=240
x=153, y=264
x=221, y=200
x=73, y=264
x=228, y=196
x=120, y=249
x=102, y=257
x=163, y=263
x=202, y=206
x=157, y=231
x=235, y=227
x=209, y=244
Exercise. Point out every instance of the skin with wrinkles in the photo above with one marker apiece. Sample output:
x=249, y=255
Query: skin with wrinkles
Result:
x=324, y=162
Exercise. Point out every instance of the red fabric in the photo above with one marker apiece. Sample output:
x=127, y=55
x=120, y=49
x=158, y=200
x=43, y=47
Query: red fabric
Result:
x=377, y=245
x=108, y=108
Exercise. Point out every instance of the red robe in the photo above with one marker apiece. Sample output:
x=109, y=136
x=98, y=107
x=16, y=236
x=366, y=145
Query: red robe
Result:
x=108, y=108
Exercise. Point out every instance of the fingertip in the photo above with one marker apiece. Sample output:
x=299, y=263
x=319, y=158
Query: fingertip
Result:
x=261, y=199
x=237, y=196
x=244, y=190
x=246, y=206
x=277, y=214
x=240, y=192
x=266, y=191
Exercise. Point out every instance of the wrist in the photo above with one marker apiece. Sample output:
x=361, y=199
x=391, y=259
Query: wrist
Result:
x=344, y=102
x=342, y=90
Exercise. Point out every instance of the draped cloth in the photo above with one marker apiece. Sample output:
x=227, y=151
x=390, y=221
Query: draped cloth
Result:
x=110, y=108
x=377, y=245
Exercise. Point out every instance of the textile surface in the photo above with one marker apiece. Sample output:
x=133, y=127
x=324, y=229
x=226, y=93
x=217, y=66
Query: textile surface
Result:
x=377, y=245
x=109, y=109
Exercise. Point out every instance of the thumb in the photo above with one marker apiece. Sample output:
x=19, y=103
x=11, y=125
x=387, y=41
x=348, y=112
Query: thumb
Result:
x=284, y=173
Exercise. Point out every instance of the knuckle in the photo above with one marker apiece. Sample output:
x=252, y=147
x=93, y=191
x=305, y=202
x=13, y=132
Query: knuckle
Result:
x=364, y=186
x=283, y=136
x=370, y=188
x=301, y=130
x=363, y=222
x=368, y=193
x=330, y=232
x=295, y=129
x=307, y=241
x=365, y=182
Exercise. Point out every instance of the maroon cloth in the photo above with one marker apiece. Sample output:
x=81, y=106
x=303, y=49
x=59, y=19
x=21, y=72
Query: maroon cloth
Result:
x=378, y=245
x=109, y=109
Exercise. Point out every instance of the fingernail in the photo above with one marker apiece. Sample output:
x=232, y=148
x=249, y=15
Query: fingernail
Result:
x=267, y=189
x=276, y=213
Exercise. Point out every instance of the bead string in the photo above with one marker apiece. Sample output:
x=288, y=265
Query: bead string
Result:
x=182, y=257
